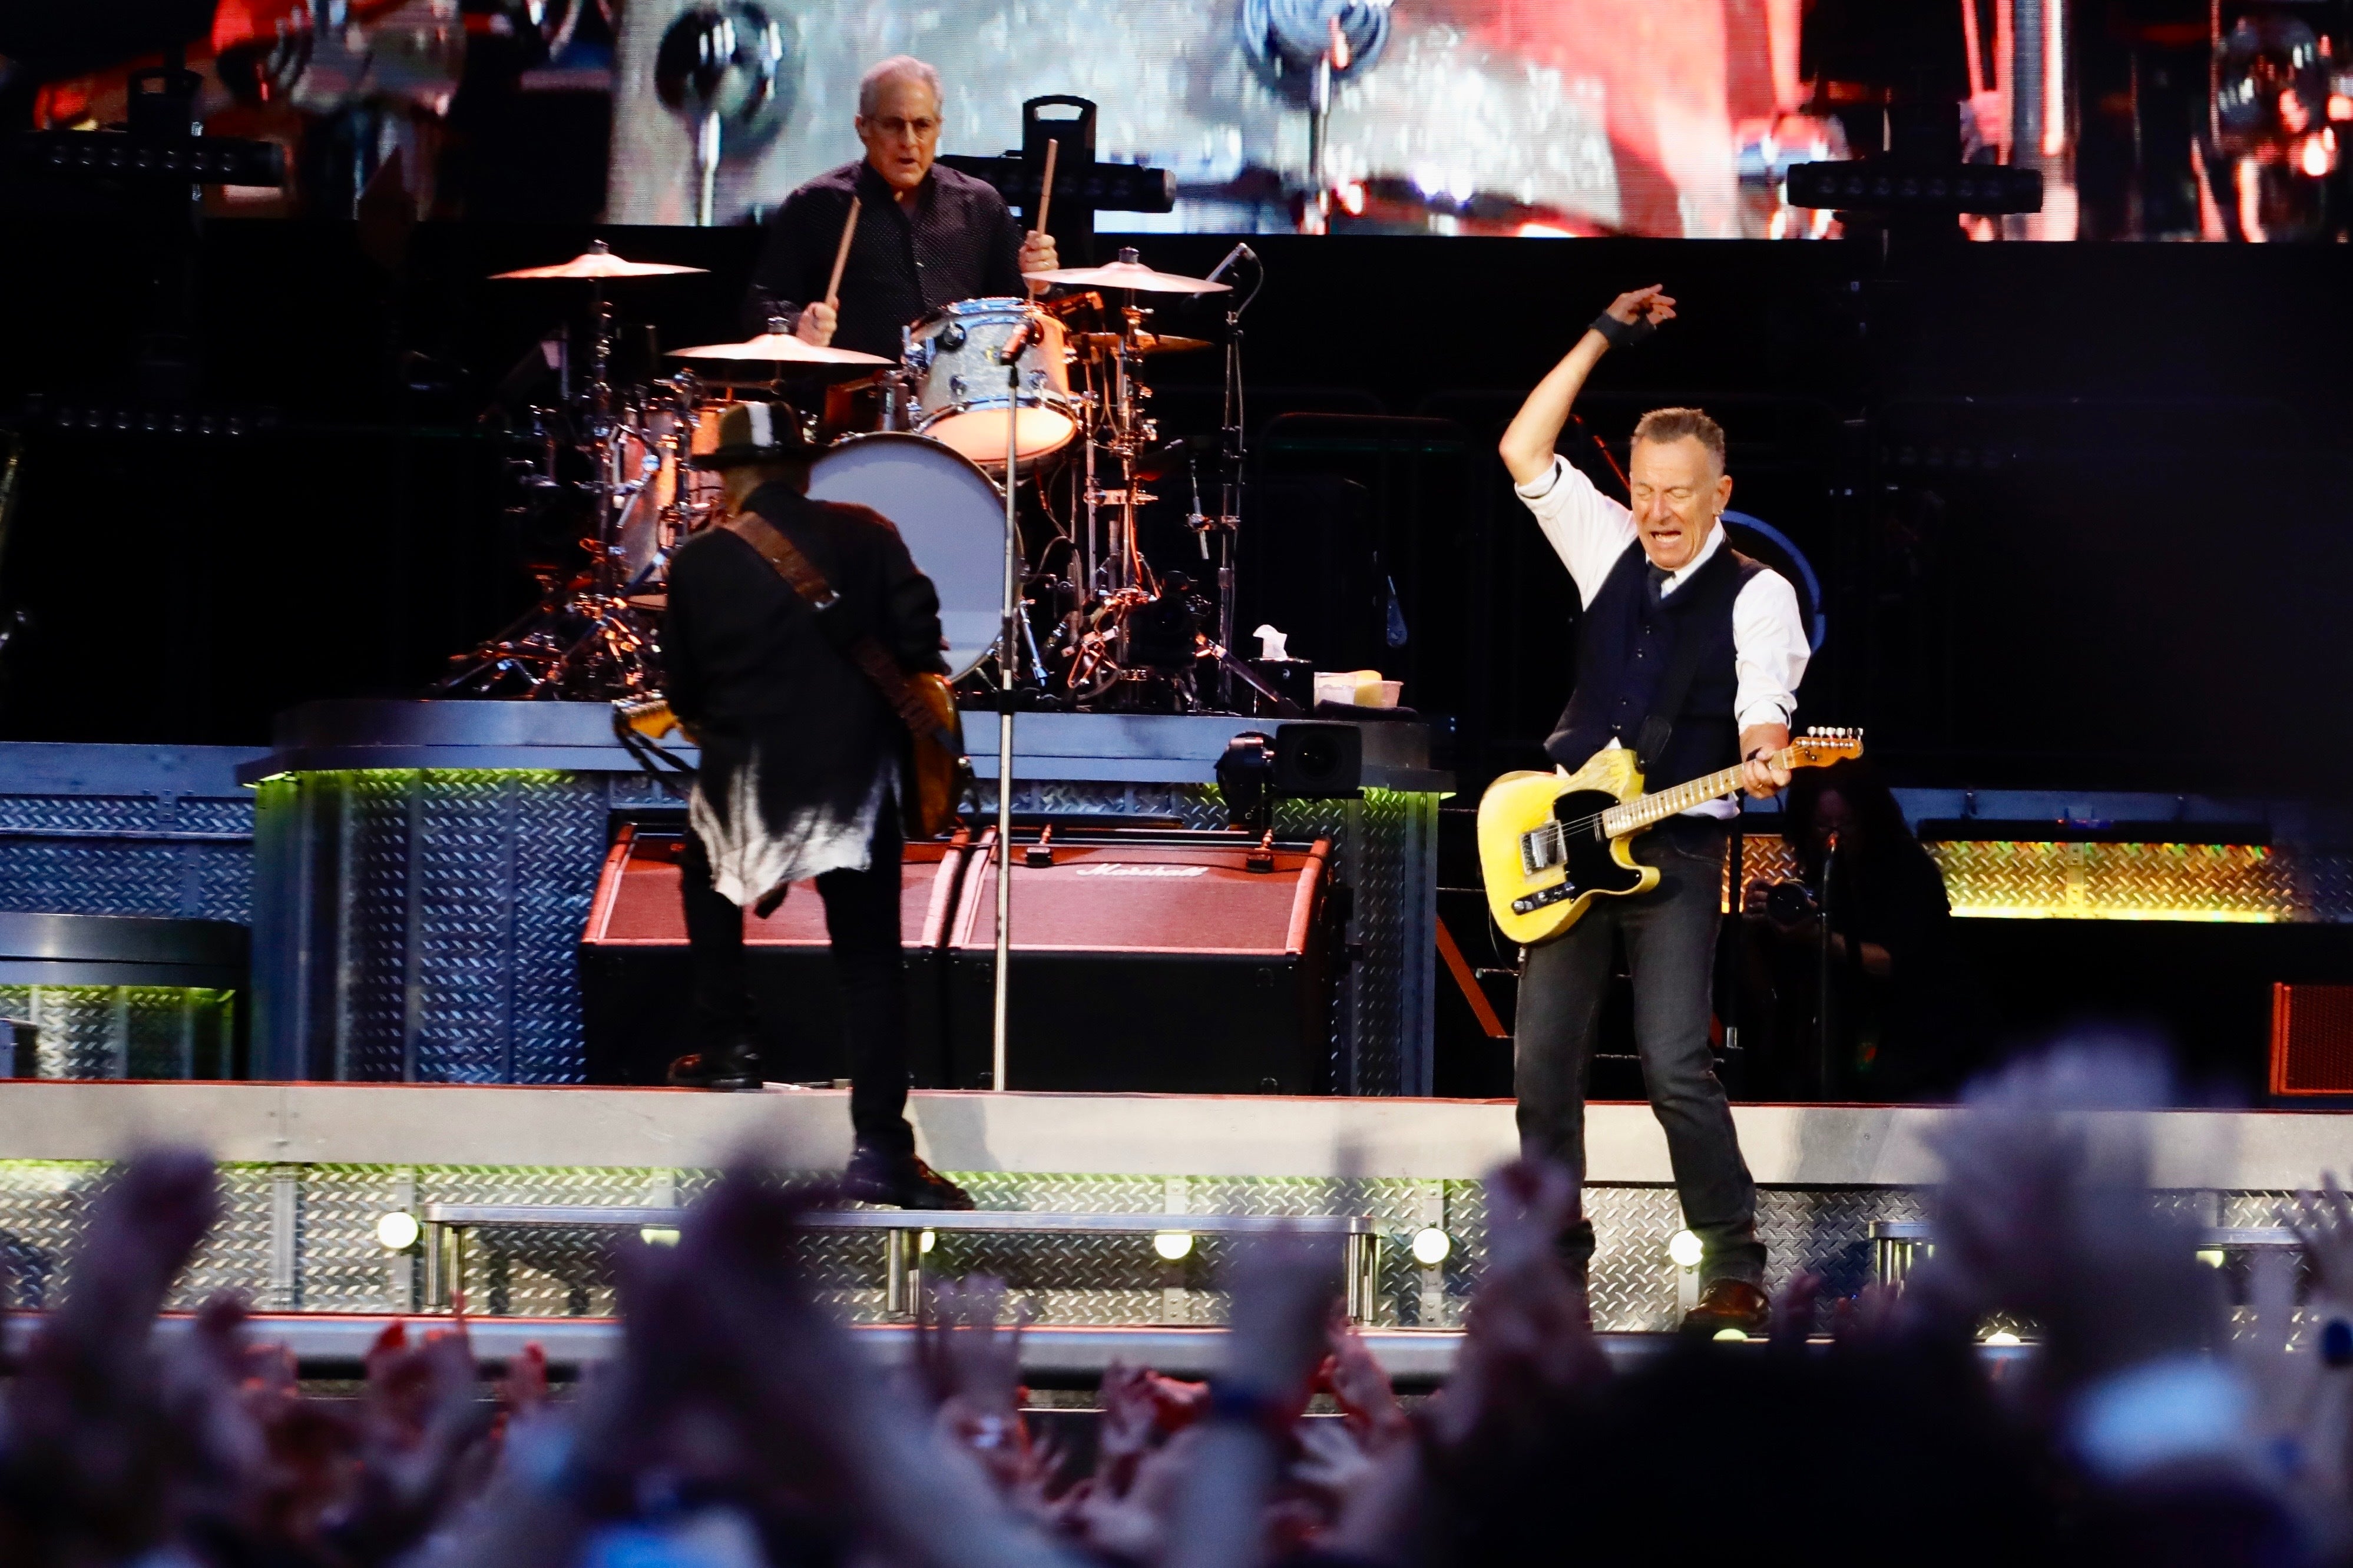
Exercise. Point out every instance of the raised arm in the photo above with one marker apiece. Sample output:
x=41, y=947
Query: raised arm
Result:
x=1527, y=443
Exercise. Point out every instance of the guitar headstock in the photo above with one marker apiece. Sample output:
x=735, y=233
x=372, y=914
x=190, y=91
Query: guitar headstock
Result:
x=1819, y=748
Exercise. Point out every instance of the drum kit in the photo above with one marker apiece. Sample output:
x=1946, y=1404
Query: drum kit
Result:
x=991, y=401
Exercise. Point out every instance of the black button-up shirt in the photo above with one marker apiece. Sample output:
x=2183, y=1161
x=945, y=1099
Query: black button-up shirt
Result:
x=957, y=241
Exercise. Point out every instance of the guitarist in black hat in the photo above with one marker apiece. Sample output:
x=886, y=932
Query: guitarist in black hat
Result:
x=803, y=763
x=1689, y=653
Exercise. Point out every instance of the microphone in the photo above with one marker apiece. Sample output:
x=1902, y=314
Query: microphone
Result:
x=1021, y=339
x=1241, y=252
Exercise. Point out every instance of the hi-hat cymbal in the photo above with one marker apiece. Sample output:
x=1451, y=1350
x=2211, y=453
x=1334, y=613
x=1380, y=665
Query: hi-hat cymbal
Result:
x=598, y=261
x=1146, y=342
x=1125, y=274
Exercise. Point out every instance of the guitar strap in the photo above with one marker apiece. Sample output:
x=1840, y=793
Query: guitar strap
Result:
x=1713, y=588
x=873, y=659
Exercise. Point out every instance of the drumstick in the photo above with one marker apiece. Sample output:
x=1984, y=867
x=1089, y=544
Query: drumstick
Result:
x=1046, y=188
x=841, y=257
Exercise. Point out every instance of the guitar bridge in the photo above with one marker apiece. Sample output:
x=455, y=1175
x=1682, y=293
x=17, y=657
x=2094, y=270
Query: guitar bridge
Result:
x=1541, y=850
x=1530, y=902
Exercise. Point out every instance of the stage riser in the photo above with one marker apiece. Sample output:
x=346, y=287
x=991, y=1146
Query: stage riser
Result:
x=301, y=1239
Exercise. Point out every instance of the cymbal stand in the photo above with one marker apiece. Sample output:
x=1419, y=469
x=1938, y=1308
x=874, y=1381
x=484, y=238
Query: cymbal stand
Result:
x=1234, y=454
x=583, y=641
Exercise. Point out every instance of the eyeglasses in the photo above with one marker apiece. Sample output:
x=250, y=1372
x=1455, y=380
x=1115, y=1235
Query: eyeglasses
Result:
x=899, y=125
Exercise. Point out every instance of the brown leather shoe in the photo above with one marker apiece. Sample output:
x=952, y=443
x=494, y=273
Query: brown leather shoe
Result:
x=1728, y=1304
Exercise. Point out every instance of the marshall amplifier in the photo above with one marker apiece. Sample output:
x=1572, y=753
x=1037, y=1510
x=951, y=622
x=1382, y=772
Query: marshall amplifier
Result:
x=1171, y=962
x=634, y=968
x=2312, y=1039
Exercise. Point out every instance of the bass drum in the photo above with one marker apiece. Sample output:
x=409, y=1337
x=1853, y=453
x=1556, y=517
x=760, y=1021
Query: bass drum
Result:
x=949, y=513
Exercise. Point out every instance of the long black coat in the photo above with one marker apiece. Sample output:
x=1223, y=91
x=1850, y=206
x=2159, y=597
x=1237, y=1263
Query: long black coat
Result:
x=760, y=680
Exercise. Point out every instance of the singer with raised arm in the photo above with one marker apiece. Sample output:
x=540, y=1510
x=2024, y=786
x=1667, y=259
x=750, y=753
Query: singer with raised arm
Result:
x=861, y=251
x=1689, y=653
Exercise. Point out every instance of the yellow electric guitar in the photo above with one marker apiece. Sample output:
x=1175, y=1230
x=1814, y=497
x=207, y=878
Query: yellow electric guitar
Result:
x=1549, y=846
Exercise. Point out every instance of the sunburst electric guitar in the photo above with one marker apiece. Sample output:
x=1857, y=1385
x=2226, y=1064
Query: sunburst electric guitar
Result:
x=1549, y=846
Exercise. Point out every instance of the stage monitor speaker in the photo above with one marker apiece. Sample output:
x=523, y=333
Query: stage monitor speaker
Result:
x=1163, y=962
x=2312, y=1039
x=635, y=972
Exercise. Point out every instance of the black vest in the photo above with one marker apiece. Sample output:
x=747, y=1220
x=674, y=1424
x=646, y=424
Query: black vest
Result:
x=1624, y=647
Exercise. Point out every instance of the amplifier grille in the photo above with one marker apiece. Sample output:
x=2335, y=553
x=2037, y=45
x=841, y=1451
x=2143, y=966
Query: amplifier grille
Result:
x=2312, y=1039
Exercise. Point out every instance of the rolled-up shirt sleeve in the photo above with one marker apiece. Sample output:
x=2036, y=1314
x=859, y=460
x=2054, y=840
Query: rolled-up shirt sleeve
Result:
x=1770, y=650
x=1586, y=529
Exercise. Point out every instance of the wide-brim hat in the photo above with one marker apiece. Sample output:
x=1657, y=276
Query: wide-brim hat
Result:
x=756, y=433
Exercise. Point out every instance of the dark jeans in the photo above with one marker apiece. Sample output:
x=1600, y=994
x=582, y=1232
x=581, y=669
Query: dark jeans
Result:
x=1669, y=935
x=862, y=916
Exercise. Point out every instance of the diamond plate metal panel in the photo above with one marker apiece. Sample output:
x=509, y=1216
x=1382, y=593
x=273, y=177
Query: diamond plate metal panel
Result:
x=41, y=1205
x=237, y=1254
x=2120, y=881
x=127, y=877
x=1631, y=1285
x=127, y=855
x=367, y=918
x=440, y=914
x=2141, y=881
x=81, y=1031
x=335, y=1263
x=462, y=913
x=560, y=838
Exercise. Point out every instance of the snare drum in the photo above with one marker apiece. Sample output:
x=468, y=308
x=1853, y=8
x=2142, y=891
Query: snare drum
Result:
x=961, y=397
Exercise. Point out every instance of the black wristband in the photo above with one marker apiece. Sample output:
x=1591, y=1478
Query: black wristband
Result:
x=1623, y=335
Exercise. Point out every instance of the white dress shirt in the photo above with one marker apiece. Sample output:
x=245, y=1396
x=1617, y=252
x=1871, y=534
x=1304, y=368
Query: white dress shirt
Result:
x=1589, y=531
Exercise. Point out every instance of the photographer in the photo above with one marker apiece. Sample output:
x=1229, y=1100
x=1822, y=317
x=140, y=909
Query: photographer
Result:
x=1873, y=894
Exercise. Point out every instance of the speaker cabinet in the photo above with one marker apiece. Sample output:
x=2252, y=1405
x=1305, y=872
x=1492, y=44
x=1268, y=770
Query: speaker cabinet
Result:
x=1169, y=962
x=635, y=972
x=2312, y=1039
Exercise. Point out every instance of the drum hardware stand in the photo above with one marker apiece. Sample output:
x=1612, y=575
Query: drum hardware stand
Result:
x=590, y=643
x=1233, y=451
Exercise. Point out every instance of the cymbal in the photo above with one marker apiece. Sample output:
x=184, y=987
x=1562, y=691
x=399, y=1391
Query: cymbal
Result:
x=1146, y=342
x=771, y=356
x=599, y=262
x=779, y=348
x=1128, y=275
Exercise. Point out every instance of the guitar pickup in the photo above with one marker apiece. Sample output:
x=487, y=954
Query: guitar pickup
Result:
x=1531, y=903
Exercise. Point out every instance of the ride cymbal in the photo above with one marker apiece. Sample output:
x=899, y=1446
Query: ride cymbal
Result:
x=1128, y=274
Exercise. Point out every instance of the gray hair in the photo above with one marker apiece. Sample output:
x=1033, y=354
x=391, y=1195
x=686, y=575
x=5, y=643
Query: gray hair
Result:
x=870, y=85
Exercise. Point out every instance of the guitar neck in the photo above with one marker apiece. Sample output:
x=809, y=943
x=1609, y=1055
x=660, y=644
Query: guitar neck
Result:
x=1644, y=810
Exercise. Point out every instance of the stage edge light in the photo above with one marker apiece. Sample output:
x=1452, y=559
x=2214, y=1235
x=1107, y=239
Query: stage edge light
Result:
x=1430, y=1246
x=1684, y=1250
x=1173, y=1245
x=396, y=1231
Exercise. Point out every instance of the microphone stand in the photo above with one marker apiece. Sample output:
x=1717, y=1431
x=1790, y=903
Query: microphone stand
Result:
x=1008, y=657
x=1824, y=1029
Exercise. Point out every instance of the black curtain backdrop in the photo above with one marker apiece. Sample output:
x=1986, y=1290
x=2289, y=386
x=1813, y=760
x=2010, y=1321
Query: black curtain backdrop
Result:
x=2081, y=512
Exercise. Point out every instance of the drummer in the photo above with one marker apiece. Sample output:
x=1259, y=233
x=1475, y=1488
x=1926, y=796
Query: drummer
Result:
x=927, y=235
